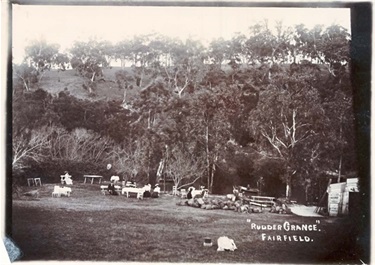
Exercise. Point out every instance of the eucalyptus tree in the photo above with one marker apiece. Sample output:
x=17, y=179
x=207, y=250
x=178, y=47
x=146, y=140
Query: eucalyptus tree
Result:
x=183, y=168
x=217, y=51
x=89, y=58
x=41, y=56
x=188, y=67
x=328, y=46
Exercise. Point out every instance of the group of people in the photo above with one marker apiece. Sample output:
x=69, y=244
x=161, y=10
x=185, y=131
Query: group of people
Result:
x=148, y=192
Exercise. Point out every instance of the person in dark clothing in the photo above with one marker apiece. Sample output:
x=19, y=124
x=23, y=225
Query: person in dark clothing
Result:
x=189, y=195
x=111, y=188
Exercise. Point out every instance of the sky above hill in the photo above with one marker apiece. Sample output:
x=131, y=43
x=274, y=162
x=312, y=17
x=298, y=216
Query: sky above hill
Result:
x=66, y=24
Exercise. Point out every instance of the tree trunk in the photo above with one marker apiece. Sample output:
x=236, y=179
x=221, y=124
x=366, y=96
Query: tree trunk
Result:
x=207, y=158
x=340, y=163
x=288, y=189
x=148, y=165
x=212, y=174
x=41, y=76
x=26, y=86
x=93, y=77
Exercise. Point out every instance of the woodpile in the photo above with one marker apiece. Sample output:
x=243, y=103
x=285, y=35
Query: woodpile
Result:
x=240, y=206
x=32, y=193
x=281, y=207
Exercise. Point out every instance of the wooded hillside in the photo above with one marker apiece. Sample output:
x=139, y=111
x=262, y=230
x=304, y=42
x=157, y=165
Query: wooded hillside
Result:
x=272, y=109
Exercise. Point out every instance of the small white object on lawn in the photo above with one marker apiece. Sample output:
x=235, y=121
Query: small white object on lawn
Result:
x=225, y=243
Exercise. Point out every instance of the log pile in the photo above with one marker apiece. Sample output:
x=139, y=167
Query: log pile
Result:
x=281, y=207
x=221, y=203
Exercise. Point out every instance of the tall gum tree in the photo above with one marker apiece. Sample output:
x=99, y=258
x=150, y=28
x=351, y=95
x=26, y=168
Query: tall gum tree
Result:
x=289, y=116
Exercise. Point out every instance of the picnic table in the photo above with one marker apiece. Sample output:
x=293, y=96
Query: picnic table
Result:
x=128, y=190
x=92, y=177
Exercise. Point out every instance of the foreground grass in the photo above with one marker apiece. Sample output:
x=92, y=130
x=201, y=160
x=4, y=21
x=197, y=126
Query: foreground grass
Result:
x=90, y=226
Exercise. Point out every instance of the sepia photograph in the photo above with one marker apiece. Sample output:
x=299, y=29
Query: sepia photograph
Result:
x=188, y=132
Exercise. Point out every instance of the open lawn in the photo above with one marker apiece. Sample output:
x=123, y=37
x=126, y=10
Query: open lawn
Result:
x=89, y=226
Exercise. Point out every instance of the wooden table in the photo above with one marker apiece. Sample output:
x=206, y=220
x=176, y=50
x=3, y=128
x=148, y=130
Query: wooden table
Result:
x=92, y=177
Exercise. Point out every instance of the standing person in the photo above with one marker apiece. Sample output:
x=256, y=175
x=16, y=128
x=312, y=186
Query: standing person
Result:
x=190, y=193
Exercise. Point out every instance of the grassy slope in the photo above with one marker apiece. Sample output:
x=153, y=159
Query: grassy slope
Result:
x=90, y=226
x=55, y=82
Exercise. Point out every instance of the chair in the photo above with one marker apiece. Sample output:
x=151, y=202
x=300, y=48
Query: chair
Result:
x=174, y=190
x=56, y=192
x=118, y=189
x=37, y=180
x=30, y=182
x=103, y=189
x=183, y=193
x=65, y=191
x=140, y=195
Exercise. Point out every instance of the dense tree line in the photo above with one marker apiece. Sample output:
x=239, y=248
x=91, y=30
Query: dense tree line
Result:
x=271, y=108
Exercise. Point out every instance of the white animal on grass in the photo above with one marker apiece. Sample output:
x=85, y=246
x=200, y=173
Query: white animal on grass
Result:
x=225, y=243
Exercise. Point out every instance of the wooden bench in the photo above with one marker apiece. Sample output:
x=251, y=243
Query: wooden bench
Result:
x=260, y=201
x=104, y=189
x=92, y=177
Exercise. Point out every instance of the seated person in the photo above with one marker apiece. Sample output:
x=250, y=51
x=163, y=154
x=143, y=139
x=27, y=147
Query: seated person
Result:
x=111, y=188
x=62, y=177
x=155, y=193
x=68, y=180
x=147, y=192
